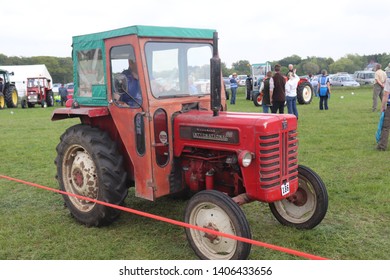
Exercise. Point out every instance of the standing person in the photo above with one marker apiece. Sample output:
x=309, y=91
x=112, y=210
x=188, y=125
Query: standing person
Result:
x=63, y=92
x=290, y=69
x=324, y=90
x=277, y=91
x=384, y=139
x=264, y=91
x=380, y=78
x=291, y=93
x=233, y=88
x=249, y=87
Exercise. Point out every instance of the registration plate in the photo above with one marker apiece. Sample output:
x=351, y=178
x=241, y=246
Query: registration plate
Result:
x=285, y=188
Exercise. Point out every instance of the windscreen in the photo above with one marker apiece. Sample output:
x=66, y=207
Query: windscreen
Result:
x=178, y=69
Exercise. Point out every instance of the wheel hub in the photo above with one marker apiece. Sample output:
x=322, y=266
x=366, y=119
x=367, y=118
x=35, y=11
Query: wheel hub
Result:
x=212, y=237
x=83, y=175
x=299, y=198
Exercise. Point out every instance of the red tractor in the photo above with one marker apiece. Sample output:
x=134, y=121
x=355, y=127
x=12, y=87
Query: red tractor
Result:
x=304, y=93
x=38, y=92
x=152, y=117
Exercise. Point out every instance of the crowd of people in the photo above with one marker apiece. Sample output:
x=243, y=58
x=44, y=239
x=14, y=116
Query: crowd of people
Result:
x=278, y=90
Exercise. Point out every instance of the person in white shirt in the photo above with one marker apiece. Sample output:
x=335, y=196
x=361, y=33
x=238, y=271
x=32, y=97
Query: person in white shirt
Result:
x=291, y=93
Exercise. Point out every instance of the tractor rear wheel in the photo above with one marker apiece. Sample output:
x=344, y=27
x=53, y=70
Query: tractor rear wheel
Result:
x=307, y=206
x=215, y=210
x=257, y=99
x=49, y=99
x=11, y=97
x=89, y=165
x=305, y=92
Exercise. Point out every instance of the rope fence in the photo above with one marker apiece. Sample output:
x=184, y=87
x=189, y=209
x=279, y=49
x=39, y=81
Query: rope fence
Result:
x=173, y=222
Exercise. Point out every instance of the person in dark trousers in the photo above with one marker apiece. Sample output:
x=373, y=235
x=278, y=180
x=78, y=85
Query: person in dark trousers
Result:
x=233, y=88
x=277, y=91
x=324, y=90
x=264, y=91
x=63, y=92
x=249, y=87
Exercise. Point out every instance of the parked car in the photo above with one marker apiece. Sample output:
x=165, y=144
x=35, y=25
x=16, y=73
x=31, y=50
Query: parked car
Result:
x=364, y=77
x=343, y=81
x=70, y=88
x=241, y=80
x=55, y=87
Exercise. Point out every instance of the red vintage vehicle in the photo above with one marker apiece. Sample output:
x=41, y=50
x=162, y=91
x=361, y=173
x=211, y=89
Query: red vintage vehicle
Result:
x=153, y=116
x=39, y=91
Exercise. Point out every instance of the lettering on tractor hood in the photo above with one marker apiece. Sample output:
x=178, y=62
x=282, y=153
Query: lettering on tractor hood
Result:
x=209, y=134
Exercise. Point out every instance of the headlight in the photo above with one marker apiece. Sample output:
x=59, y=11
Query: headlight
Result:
x=245, y=158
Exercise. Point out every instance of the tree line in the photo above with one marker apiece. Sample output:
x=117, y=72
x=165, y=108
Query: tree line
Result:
x=61, y=68
x=314, y=65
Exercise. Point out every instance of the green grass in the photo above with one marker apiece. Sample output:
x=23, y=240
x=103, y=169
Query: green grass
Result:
x=339, y=144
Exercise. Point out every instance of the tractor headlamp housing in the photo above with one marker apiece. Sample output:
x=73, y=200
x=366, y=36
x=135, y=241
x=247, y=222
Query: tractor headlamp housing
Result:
x=245, y=158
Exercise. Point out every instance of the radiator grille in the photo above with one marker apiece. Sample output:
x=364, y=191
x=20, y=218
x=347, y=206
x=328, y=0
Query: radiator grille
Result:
x=278, y=160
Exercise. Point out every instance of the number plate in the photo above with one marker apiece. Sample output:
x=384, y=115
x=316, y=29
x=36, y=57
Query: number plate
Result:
x=285, y=188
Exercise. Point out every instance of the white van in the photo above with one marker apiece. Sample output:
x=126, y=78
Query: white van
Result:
x=365, y=77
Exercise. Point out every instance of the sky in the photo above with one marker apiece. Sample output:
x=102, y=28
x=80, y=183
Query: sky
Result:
x=257, y=31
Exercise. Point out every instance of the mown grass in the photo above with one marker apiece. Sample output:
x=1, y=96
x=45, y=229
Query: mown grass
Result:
x=339, y=144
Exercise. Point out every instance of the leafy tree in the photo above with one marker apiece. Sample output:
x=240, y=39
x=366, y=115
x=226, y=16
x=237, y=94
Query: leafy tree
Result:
x=242, y=67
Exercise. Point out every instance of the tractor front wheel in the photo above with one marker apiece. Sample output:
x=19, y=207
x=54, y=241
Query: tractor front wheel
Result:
x=307, y=206
x=90, y=166
x=216, y=211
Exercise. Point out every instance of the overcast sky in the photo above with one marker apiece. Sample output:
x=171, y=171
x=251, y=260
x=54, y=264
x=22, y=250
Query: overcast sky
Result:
x=257, y=31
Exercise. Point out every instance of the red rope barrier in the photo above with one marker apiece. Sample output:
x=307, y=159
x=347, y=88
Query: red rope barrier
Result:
x=174, y=222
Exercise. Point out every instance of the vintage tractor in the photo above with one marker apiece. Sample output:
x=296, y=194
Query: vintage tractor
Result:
x=304, y=93
x=38, y=92
x=152, y=117
x=8, y=91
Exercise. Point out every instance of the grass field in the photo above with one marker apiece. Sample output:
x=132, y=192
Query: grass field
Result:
x=339, y=144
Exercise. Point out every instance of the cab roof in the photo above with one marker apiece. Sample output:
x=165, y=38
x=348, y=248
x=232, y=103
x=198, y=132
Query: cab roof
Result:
x=146, y=31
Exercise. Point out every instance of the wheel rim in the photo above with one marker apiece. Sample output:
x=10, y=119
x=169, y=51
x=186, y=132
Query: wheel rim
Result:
x=306, y=94
x=2, y=103
x=211, y=216
x=80, y=177
x=299, y=207
x=259, y=99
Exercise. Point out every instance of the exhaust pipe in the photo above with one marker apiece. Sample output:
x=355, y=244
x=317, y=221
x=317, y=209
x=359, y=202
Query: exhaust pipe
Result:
x=215, y=76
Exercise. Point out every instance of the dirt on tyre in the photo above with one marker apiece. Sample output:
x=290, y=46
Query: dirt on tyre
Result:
x=89, y=165
x=216, y=211
x=305, y=92
x=307, y=207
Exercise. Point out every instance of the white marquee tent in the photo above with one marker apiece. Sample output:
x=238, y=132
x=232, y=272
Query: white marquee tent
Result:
x=22, y=72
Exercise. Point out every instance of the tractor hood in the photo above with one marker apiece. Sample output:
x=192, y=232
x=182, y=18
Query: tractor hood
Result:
x=227, y=131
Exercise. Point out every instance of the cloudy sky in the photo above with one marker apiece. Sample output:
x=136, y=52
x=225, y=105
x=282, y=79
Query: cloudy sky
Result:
x=256, y=31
